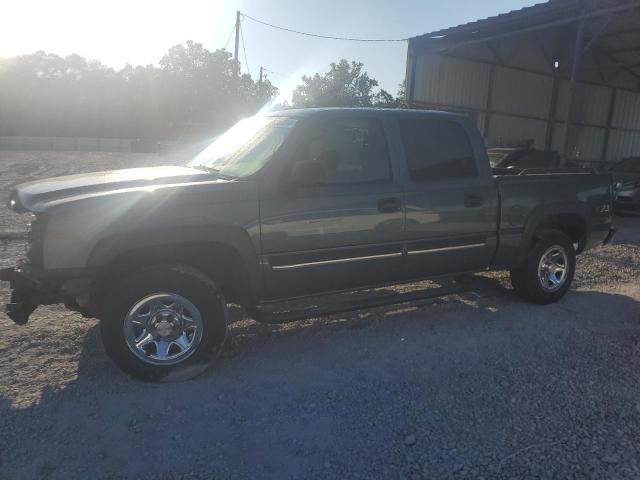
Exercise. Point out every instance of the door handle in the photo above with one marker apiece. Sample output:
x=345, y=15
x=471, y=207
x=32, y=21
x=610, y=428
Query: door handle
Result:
x=471, y=201
x=389, y=205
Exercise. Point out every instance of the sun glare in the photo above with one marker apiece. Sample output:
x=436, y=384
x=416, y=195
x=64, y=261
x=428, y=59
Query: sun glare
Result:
x=115, y=33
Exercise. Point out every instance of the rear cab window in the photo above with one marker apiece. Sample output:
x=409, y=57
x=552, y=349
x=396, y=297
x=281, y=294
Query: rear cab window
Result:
x=436, y=150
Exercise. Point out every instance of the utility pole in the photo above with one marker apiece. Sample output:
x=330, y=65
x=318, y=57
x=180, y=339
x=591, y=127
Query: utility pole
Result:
x=261, y=69
x=235, y=51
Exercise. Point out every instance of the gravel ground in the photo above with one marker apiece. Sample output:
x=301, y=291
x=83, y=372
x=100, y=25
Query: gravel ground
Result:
x=467, y=386
x=20, y=167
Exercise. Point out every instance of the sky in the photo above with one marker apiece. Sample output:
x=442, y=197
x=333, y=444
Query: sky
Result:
x=118, y=32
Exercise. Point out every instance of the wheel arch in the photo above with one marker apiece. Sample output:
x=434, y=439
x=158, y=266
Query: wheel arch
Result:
x=571, y=219
x=225, y=254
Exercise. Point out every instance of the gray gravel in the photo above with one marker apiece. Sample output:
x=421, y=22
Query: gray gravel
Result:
x=468, y=386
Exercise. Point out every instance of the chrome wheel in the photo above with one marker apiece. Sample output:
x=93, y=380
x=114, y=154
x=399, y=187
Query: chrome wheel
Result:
x=553, y=268
x=163, y=329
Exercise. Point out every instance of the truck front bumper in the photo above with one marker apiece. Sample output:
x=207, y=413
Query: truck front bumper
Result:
x=32, y=287
x=27, y=293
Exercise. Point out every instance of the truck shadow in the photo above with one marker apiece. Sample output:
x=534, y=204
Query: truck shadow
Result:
x=265, y=390
x=484, y=292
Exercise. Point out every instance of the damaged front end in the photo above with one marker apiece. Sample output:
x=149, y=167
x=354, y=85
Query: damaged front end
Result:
x=31, y=287
x=26, y=294
x=28, y=290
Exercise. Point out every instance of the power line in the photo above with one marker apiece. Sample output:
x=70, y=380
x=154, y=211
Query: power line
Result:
x=350, y=39
x=246, y=62
x=274, y=72
x=229, y=38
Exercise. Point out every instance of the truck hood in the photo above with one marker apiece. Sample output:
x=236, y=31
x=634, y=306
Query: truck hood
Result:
x=26, y=196
x=626, y=178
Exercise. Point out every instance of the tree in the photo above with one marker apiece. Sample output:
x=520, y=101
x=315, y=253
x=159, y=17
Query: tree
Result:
x=43, y=94
x=402, y=90
x=346, y=84
x=206, y=88
x=386, y=100
x=383, y=99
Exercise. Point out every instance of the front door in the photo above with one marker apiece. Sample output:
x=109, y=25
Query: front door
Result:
x=451, y=199
x=339, y=223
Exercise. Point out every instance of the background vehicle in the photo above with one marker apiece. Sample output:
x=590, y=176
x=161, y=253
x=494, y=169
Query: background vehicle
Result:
x=533, y=158
x=626, y=175
x=289, y=204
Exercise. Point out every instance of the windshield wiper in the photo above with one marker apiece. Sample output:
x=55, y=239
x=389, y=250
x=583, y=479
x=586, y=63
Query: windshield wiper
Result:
x=215, y=171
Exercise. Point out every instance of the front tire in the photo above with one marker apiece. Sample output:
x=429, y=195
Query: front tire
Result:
x=163, y=320
x=548, y=271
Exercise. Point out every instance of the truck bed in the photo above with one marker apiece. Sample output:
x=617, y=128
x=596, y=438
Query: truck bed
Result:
x=525, y=196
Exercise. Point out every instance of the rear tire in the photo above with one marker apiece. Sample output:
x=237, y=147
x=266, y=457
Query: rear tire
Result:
x=163, y=321
x=548, y=271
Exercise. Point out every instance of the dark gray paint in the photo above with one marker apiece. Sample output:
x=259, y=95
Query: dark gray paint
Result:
x=92, y=219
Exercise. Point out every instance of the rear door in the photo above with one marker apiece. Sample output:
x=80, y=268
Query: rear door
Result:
x=451, y=199
x=346, y=229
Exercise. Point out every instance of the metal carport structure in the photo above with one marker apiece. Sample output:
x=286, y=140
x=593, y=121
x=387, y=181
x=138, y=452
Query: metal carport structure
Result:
x=530, y=73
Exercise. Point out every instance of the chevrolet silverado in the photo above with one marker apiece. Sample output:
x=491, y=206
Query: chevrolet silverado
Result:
x=288, y=204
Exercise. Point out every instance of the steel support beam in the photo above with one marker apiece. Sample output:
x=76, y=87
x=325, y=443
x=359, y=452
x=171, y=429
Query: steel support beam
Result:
x=487, y=117
x=411, y=88
x=577, y=54
x=597, y=35
x=553, y=107
x=466, y=109
x=614, y=59
x=607, y=131
x=625, y=50
x=530, y=70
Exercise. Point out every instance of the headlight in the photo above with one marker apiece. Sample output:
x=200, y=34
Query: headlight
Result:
x=628, y=187
x=14, y=203
x=35, y=237
x=30, y=218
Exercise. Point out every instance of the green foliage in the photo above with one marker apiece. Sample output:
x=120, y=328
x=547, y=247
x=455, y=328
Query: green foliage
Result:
x=346, y=84
x=45, y=94
x=192, y=90
x=402, y=90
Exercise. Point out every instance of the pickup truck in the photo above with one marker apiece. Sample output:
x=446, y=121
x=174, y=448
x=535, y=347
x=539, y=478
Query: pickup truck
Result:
x=288, y=204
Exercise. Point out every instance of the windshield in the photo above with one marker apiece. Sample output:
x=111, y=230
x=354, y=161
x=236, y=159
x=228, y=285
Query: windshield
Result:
x=245, y=147
x=497, y=155
x=627, y=165
x=511, y=158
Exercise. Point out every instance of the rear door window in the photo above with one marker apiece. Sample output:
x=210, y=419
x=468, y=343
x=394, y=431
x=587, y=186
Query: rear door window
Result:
x=437, y=150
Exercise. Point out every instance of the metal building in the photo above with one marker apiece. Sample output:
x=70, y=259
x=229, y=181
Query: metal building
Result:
x=527, y=74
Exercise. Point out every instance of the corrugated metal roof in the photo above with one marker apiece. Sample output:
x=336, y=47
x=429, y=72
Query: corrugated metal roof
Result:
x=514, y=18
x=611, y=24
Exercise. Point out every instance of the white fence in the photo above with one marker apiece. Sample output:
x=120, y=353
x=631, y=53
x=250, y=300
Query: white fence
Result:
x=84, y=144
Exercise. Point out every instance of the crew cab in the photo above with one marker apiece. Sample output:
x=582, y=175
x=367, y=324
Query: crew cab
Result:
x=288, y=204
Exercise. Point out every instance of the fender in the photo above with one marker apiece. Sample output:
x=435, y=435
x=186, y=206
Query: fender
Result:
x=234, y=237
x=539, y=214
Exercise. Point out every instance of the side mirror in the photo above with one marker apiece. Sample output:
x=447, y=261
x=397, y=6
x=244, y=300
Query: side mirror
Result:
x=308, y=173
